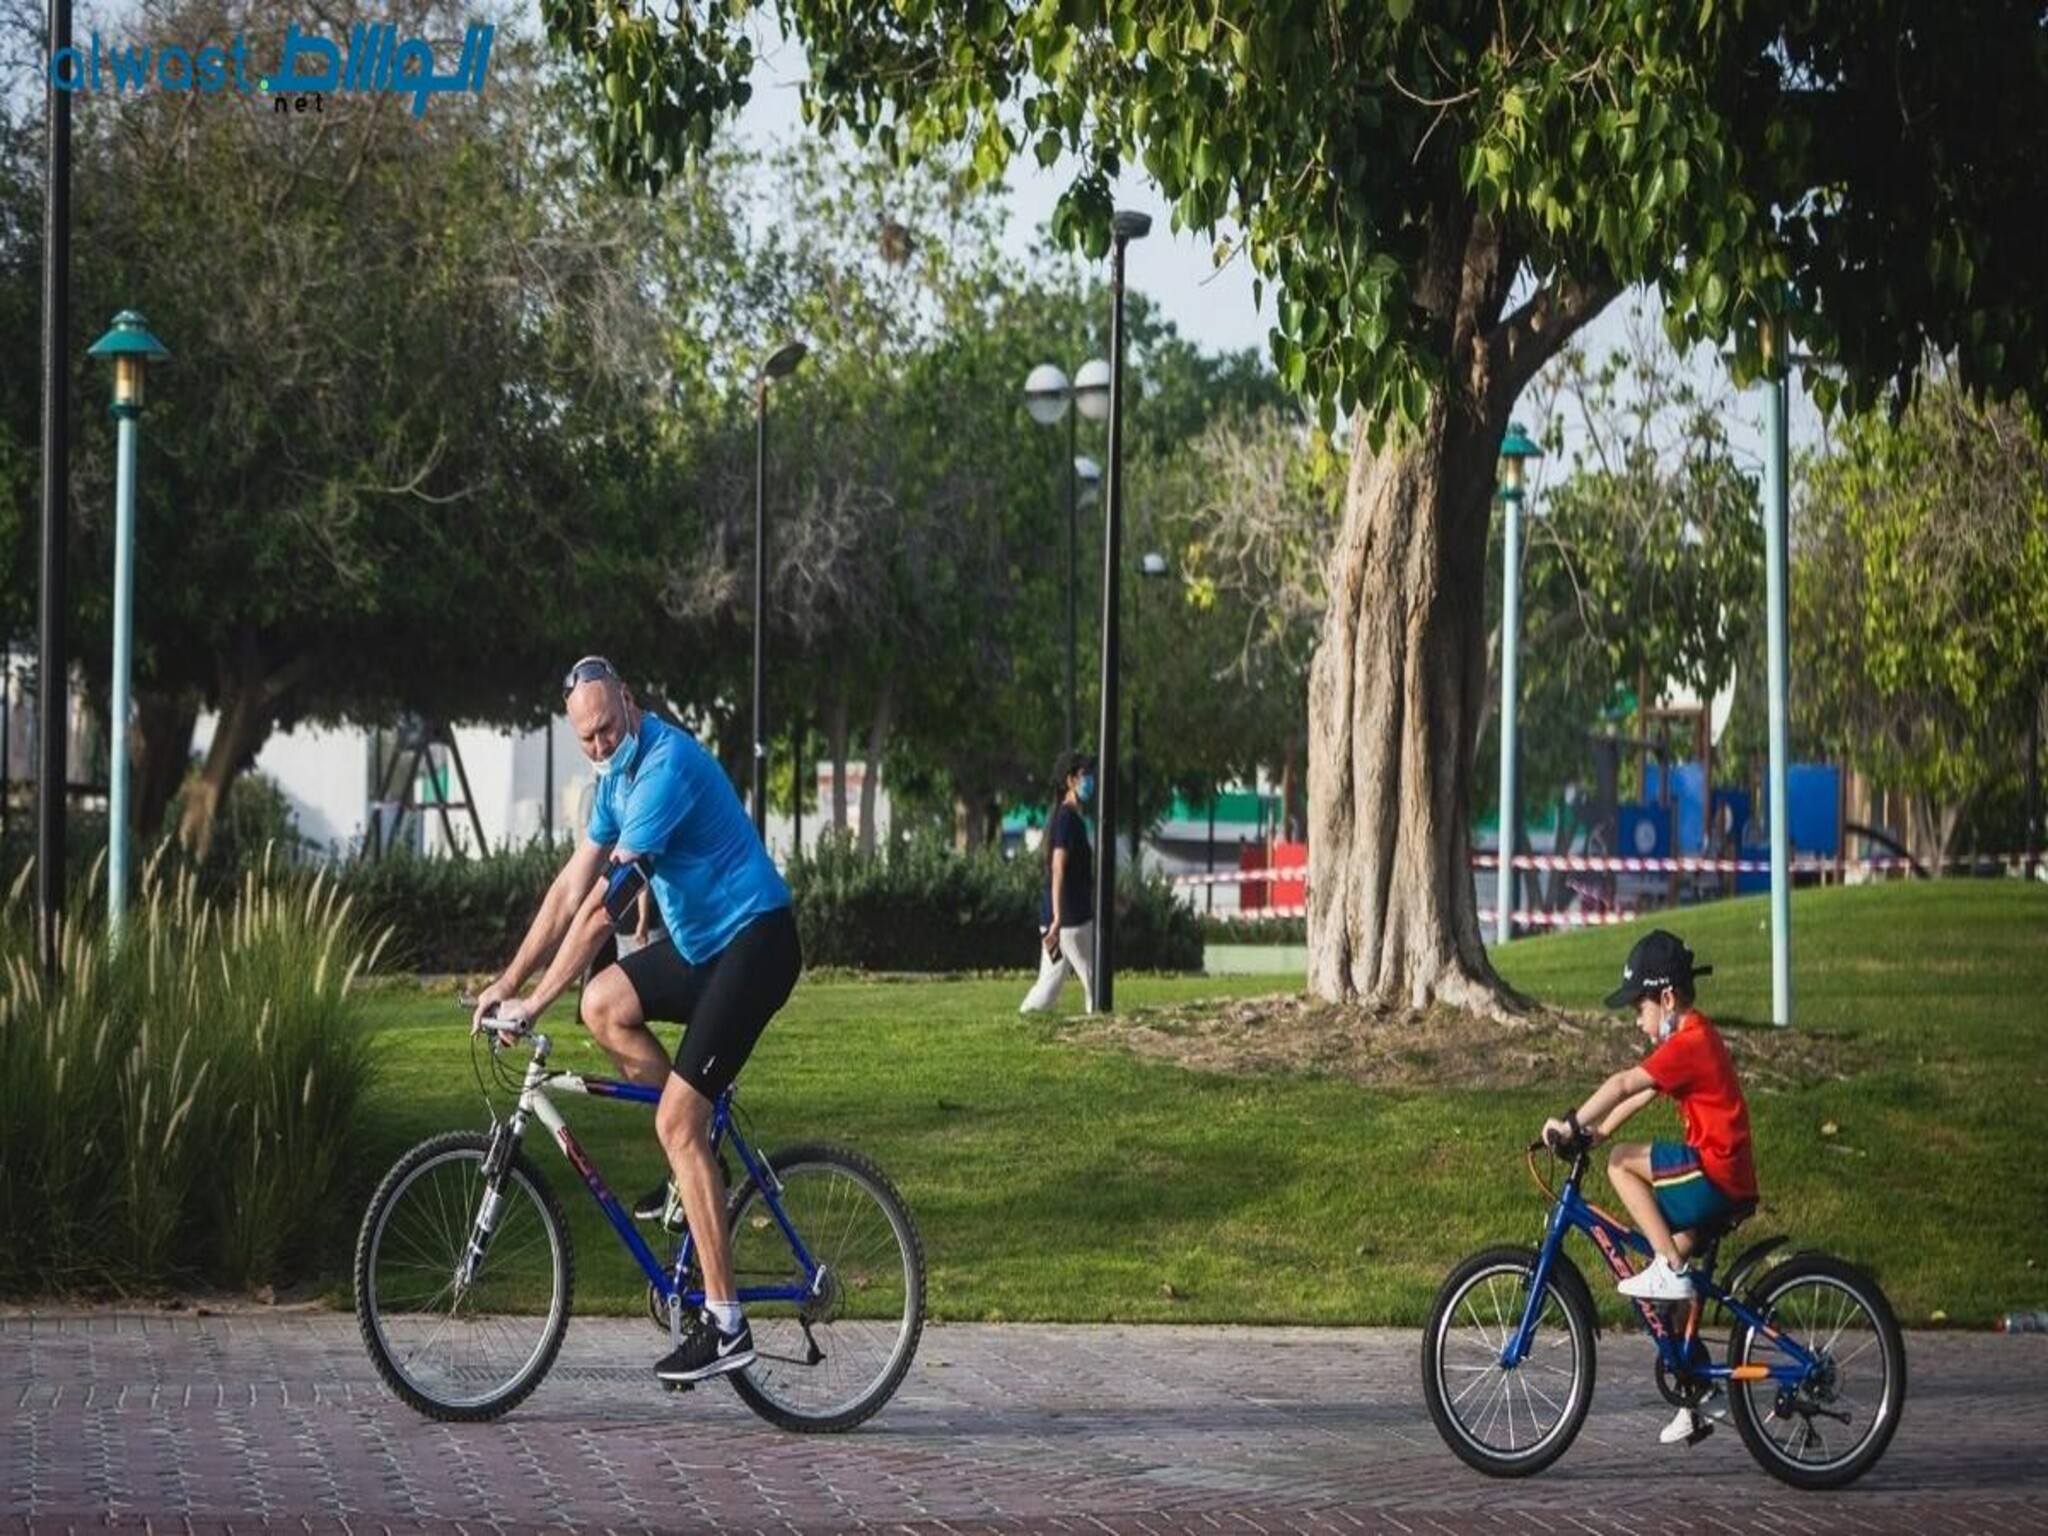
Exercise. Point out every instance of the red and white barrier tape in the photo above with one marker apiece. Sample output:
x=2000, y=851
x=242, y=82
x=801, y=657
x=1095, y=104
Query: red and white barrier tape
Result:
x=1617, y=864
x=1582, y=919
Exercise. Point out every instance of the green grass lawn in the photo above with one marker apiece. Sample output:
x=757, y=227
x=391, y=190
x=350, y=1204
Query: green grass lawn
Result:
x=1060, y=1180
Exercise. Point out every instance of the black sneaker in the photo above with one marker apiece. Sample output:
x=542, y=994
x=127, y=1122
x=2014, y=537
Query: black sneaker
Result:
x=706, y=1351
x=660, y=1204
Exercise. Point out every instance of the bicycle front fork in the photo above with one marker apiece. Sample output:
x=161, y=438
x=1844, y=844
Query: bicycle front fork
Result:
x=497, y=1164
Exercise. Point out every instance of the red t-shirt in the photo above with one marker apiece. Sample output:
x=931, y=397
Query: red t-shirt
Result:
x=1693, y=1067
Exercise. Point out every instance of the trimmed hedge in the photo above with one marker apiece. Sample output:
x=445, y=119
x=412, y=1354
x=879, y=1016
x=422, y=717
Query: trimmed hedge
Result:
x=918, y=906
x=925, y=906
x=1255, y=930
x=449, y=914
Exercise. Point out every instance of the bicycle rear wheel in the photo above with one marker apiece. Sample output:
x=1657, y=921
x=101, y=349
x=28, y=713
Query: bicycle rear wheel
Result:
x=1832, y=1428
x=1508, y=1421
x=452, y=1347
x=828, y=1362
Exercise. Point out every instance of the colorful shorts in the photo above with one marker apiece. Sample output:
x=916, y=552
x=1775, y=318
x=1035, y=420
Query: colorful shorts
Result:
x=1685, y=1194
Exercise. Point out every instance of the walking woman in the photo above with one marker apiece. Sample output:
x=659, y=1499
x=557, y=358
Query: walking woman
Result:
x=1066, y=914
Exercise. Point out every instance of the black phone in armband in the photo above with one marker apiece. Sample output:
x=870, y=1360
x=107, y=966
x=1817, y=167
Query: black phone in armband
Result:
x=623, y=883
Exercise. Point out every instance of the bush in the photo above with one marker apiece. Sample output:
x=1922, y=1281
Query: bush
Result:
x=1255, y=930
x=183, y=1110
x=452, y=914
x=921, y=905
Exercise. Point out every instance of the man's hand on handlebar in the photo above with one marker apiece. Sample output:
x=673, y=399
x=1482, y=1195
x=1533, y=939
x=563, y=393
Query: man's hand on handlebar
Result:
x=487, y=1004
x=506, y=1019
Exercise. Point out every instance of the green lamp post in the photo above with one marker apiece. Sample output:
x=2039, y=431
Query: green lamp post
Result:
x=132, y=349
x=1515, y=450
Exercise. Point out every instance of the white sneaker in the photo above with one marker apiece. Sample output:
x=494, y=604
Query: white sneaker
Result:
x=1678, y=1430
x=1658, y=1281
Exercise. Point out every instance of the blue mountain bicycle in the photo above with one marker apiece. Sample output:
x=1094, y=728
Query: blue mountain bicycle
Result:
x=1814, y=1367
x=464, y=1271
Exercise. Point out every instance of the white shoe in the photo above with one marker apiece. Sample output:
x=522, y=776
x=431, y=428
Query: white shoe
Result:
x=1680, y=1429
x=1658, y=1281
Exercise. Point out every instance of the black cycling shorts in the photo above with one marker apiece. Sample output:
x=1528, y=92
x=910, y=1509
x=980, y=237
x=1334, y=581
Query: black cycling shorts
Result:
x=723, y=1003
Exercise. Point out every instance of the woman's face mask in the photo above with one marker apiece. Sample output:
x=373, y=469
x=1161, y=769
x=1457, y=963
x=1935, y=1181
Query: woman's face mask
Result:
x=1086, y=789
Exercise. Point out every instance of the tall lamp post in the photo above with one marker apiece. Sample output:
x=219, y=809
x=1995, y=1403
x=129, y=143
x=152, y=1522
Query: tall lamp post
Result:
x=1515, y=450
x=781, y=363
x=132, y=349
x=1125, y=226
x=1151, y=566
x=1777, y=517
x=1047, y=395
x=53, y=712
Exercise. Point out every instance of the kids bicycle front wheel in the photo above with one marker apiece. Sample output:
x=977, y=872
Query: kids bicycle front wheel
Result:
x=1509, y=1420
x=830, y=1347
x=1831, y=1428
x=463, y=1281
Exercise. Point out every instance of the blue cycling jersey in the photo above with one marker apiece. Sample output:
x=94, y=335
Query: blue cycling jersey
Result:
x=675, y=806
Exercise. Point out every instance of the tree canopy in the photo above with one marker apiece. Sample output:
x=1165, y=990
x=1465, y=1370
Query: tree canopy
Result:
x=1441, y=196
x=1922, y=613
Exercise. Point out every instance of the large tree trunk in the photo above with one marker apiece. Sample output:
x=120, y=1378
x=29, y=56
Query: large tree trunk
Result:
x=1394, y=691
x=1399, y=675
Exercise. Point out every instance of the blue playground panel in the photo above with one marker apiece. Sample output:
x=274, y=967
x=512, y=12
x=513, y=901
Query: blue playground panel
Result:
x=1814, y=794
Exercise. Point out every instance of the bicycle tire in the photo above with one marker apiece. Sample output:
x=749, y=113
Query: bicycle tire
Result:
x=1836, y=1310
x=829, y=1363
x=469, y=1354
x=1481, y=1407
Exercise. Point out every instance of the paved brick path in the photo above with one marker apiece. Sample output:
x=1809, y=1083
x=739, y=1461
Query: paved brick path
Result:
x=275, y=1421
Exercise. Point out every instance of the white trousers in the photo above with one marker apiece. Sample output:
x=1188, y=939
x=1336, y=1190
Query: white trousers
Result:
x=1076, y=955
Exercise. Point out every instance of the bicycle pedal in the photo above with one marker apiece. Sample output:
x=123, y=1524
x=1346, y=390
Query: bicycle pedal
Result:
x=679, y=1386
x=1702, y=1427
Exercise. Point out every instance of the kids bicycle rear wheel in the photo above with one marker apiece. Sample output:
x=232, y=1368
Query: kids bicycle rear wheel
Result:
x=1832, y=1428
x=1508, y=1420
x=830, y=1360
x=459, y=1335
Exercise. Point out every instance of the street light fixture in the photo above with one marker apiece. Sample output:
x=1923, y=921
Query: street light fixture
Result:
x=781, y=363
x=1125, y=226
x=1047, y=395
x=1515, y=450
x=132, y=349
x=1152, y=566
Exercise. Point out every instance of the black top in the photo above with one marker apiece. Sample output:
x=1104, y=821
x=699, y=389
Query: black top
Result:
x=1069, y=830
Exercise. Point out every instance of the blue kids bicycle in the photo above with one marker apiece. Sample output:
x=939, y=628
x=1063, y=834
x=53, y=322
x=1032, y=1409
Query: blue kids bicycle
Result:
x=1814, y=1367
x=464, y=1270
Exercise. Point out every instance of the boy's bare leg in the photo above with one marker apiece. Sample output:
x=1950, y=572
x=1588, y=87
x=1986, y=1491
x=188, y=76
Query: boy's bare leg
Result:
x=1628, y=1169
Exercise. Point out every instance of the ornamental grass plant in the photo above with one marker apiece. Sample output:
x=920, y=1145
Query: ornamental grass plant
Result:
x=182, y=1110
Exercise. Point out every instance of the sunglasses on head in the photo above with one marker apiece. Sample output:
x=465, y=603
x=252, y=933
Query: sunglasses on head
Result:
x=590, y=669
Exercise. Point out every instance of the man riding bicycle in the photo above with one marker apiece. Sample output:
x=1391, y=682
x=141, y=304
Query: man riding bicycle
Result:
x=666, y=819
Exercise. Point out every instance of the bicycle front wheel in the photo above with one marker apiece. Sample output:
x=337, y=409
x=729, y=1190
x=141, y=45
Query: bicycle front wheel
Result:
x=1508, y=1420
x=831, y=1359
x=1832, y=1428
x=462, y=1289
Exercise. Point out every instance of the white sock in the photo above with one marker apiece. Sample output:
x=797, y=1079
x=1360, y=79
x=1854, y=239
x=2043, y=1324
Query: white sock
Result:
x=724, y=1313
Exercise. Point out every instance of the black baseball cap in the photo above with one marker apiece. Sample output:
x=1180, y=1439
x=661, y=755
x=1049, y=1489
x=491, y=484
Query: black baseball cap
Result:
x=1659, y=960
x=1070, y=762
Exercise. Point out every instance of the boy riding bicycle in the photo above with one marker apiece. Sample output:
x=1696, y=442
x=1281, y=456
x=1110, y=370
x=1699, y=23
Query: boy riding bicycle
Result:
x=1670, y=1187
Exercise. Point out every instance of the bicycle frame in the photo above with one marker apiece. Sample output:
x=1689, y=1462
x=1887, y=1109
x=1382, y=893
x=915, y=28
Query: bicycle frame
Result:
x=1572, y=1212
x=667, y=1280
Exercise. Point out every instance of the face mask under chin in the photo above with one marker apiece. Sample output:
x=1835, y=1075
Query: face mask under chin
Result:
x=621, y=759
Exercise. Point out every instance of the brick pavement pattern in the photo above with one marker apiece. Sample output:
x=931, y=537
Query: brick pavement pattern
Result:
x=275, y=1421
